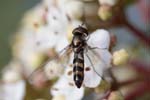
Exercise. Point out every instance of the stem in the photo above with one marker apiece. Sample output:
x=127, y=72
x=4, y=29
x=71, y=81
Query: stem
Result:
x=141, y=89
x=131, y=81
x=106, y=96
x=140, y=67
x=138, y=33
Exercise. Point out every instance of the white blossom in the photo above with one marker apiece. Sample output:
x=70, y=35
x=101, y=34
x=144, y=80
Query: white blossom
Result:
x=53, y=35
x=53, y=69
x=13, y=91
x=61, y=17
x=33, y=16
x=11, y=76
x=100, y=39
x=57, y=20
x=109, y=2
x=63, y=87
x=24, y=49
x=12, y=72
x=100, y=60
x=74, y=9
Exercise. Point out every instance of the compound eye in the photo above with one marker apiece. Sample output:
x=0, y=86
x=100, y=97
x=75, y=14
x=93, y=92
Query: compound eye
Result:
x=85, y=35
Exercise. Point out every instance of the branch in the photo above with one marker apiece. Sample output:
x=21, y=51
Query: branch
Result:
x=138, y=33
x=140, y=67
x=141, y=89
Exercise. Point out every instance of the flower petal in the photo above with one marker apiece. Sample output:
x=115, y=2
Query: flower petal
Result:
x=61, y=43
x=53, y=69
x=92, y=78
x=71, y=92
x=57, y=20
x=109, y=2
x=105, y=56
x=96, y=62
x=14, y=91
x=45, y=39
x=100, y=39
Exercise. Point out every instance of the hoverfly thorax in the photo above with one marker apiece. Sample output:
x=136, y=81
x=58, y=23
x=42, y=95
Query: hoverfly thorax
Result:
x=80, y=31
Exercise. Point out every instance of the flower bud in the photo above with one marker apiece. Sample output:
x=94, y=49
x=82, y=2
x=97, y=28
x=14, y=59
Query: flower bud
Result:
x=120, y=57
x=104, y=12
x=108, y=2
x=59, y=97
x=115, y=96
x=74, y=9
x=53, y=69
x=11, y=76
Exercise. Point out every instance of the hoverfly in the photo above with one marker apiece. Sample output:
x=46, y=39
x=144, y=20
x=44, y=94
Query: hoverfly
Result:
x=81, y=53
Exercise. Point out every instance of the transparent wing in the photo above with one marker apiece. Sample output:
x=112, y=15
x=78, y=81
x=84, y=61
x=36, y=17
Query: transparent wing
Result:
x=53, y=67
x=96, y=62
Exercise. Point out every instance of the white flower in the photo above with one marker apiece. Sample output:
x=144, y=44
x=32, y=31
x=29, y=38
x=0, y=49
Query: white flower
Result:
x=53, y=69
x=109, y=2
x=91, y=79
x=53, y=35
x=13, y=91
x=49, y=3
x=67, y=89
x=34, y=15
x=12, y=72
x=99, y=38
x=100, y=57
x=57, y=20
x=24, y=49
x=11, y=76
x=46, y=39
x=74, y=9
x=88, y=0
x=65, y=85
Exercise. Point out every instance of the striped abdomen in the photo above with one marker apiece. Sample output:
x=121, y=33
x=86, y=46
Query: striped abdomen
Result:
x=78, y=68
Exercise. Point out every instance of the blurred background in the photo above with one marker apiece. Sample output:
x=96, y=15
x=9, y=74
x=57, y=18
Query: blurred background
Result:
x=10, y=17
x=28, y=27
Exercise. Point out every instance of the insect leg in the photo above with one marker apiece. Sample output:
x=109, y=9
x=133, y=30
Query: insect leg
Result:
x=63, y=50
x=91, y=48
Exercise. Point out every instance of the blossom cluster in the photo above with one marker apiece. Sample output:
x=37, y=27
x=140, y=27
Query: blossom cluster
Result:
x=46, y=30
